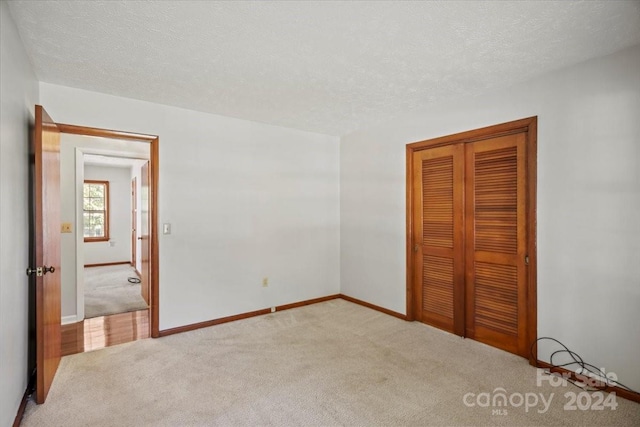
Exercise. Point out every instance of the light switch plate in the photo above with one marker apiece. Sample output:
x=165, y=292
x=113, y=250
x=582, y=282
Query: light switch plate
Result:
x=66, y=227
x=166, y=228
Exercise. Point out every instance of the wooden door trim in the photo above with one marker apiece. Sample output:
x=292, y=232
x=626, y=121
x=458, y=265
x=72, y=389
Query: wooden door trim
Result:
x=529, y=126
x=531, y=145
x=502, y=129
x=105, y=133
x=154, y=165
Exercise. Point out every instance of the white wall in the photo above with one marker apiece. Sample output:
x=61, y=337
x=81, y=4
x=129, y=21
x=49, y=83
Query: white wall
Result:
x=588, y=203
x=19, y=89
x=118, y=248
x=245, y=200
x=72, y=150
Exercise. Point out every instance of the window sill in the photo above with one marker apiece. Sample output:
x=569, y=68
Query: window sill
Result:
x=96, y=239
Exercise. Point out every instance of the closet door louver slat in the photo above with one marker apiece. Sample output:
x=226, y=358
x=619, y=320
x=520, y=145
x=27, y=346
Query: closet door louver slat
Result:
x=495, y=280
x=440, y=175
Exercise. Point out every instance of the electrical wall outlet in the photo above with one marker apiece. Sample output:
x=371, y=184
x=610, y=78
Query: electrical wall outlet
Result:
x=265, y=282
x=273, y=309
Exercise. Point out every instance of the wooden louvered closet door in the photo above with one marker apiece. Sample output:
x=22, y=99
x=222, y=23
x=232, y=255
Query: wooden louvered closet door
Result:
x=439, y=230
x=469, y=229
x=496, y=292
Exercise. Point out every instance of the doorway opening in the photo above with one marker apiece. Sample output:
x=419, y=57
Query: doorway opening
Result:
x=110, y=230
x=111, y=281
x=46, y=230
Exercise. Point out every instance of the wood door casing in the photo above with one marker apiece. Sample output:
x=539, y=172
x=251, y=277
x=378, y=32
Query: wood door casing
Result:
x=496, y=243
x=46, y=152
x=439, y=231
x=154, y=260
x=498, y=299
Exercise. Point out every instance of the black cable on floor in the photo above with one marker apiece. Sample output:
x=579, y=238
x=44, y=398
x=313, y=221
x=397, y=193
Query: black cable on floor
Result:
x=133, y=280
x=584, y=367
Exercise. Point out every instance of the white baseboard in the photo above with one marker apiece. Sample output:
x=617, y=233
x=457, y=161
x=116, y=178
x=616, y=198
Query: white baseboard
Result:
x=69, y=319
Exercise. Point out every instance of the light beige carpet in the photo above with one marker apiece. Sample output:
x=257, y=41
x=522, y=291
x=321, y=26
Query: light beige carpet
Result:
x=333, y=363
x=108, y=291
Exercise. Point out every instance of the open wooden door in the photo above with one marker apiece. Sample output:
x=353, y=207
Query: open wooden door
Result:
x=46, y=190
x=145, y=231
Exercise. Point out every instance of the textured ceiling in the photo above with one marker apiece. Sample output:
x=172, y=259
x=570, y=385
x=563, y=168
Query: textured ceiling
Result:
x=328, y=67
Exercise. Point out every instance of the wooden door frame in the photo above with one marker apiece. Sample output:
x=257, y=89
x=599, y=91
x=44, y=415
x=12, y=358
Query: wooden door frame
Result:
x=529, y=126
x=154, y=164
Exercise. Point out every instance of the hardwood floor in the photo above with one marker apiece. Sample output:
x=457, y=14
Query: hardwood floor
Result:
x=105, y=331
